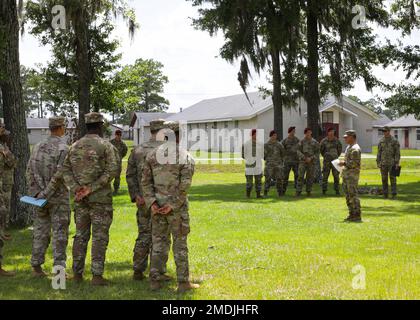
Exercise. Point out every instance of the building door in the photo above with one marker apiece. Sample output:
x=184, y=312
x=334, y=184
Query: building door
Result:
x=406, y=139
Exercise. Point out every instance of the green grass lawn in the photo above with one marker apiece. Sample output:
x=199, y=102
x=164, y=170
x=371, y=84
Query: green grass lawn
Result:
x=260, y=249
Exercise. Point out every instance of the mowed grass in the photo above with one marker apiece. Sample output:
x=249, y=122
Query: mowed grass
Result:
x=259, y=249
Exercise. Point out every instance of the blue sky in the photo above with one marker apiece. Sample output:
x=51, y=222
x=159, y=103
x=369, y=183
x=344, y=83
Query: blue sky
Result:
x=190, y=57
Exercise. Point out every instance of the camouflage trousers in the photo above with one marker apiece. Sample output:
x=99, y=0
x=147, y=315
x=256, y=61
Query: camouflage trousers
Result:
x=306, y=171
x=273, y=172
x=117, y=180
x=250, y=183
x=386, y=174
x=177, y=226
x=326, y=170
x=55, y=218
x=291, y=166
x=5, y=214
x=350, y=188
x=95, y=219
x=3, y=211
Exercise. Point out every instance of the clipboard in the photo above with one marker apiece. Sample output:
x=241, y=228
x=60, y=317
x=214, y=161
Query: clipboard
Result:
x=40, y=203
x=336, y=163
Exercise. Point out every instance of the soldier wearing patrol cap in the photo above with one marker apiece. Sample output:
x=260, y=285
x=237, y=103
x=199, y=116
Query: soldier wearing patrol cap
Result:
x=89, y=168
x=165, y=184
x=7, y=160
x=45, y=181
x=351, y=174
x=388, y=157
x=135, y=166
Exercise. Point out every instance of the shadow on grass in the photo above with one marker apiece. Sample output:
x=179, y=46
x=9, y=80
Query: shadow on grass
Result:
x=394, y=211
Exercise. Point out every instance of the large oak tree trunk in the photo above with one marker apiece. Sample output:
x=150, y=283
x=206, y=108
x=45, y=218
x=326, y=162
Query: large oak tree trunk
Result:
x=83, y=66
x=13, y=109
x=277, y=99
x=312, y=95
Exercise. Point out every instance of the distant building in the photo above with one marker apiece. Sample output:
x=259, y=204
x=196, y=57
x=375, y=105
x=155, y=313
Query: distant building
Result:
x=407, y=130
x=377, y=134
x=140, y=122
x=236, y=112
x=38, y=129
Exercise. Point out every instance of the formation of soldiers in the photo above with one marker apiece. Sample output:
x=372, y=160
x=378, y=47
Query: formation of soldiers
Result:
x=303, y=157
x=159, y=175
x=85, y=172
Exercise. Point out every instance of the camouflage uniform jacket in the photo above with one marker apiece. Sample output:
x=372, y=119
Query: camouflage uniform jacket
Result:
x=274, y=153
x=388, y=152
x=290, y=146
x=353, y=161
x=121, y=147
x=92, y=162
x=7, y=165
x=135, y=166
x=308, y=149
x=167, y=183
x=44, y=173
x=331, y=149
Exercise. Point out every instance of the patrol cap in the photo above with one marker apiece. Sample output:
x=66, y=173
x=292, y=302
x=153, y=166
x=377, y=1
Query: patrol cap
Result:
x=385, y=129
x=291, y=129
x=350, y=133
x=56, y=122
x=94, y=117
x=172, y=125
x=156, y=125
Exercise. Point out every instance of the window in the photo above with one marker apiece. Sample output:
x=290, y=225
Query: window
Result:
x=226, y=125
x=328, y=117
x=396, y=134
x=380, y=133
x=418, y=134
x=214, y=125
x=236, y=124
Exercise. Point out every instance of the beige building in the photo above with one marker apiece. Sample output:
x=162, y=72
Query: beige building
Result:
x=235, y=112
x=407, y=130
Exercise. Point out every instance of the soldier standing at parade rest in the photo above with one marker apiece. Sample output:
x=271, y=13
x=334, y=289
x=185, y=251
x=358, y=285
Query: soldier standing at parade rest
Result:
x=7, y=160
x=120, y=145
x=291, y=159
x=308, y=150
x=89, y=168
x=331, y=149
x=351, y=174
x=167, y=177
x=274, y=160
x=253, y=153
x=7, y=181
x=135, y=166
x=45, y=181
x=388, y=157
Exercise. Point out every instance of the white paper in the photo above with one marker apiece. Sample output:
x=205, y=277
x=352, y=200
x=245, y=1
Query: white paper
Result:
x=336, y=163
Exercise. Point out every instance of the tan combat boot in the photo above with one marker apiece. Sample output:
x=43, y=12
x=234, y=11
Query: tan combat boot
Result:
x=186, y=286
x=155, y=285
x=37, y=272
x=6, y=274
x=78, y=278
x=99, y=281
x=138, y=276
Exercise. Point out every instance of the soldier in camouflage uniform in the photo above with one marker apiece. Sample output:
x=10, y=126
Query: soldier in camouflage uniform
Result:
x=89, y=169
x=388, y=157
x=253, y=153
x=291, y=159
x=331, y=149
x=308, y=150
x=45, y=181
x=6, y=160
x=167, y=177
x=274, y=157
x=351, y=173
x=134, y=175
x=119, y=144
x=7, y=181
